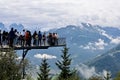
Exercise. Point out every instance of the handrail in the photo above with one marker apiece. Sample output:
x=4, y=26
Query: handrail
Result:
x=59, y=42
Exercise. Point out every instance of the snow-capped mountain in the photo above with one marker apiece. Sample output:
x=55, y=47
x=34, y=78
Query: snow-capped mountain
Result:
x=2, y=26
x=19, y=27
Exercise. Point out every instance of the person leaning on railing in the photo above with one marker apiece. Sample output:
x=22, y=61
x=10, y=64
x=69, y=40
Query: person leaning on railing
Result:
x=49, y=38
x=34, y=38
x=56, y=39
x=11, y=37
x=44, y=38
x=23, y=37
x=28, y=38
x=39, y=38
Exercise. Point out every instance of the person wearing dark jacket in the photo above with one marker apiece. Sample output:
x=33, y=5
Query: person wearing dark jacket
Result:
x=11, y=36
x=34, y=38
x=39, y=38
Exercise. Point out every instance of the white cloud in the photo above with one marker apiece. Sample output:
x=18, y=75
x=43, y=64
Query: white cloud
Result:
x=58, y=13
x=112, y=40
x=115, y=40
x=41, y=56
x=86, y=71
x=111, y=55
x=102, y=32
x=99, y=45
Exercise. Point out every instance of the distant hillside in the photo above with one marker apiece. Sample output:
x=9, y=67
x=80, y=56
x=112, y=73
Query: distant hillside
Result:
x=108, y=61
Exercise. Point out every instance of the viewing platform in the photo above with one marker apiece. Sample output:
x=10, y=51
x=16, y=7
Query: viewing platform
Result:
x=60, y=42
x=26, y=41
x=28, y=44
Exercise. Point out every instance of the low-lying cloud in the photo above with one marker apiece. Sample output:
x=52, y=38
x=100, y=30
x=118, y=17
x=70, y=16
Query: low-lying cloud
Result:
x=42, y=56
x=99, y=45
x=115, y=40
x=102, y=32
x=87, y=72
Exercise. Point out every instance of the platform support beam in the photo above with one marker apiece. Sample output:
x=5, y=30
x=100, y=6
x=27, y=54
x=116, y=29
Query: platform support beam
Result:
x=22, y=62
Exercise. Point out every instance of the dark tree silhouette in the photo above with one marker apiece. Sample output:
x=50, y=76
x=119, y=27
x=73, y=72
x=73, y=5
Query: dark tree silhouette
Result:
x=44, y=70
x=64, y=65
x=9, y=66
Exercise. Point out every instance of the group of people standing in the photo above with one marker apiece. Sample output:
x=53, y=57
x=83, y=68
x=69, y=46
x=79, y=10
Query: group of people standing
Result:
x=26, y=38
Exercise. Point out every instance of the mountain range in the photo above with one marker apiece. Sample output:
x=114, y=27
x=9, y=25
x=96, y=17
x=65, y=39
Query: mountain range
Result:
x=87, y=43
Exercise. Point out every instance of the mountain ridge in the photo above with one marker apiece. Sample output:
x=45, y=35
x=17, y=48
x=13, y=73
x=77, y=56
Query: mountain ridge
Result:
x=108, y=61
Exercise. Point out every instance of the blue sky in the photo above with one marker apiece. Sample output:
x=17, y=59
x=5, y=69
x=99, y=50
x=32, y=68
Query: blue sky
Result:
x=49, y=14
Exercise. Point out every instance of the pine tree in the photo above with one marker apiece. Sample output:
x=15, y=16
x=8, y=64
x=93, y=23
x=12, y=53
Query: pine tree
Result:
x=9, y=66
x=44, y=70
x=64, y=65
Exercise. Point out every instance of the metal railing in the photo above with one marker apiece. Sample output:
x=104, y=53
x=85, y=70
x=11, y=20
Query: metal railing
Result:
x=61, y=41
x=58, y=42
